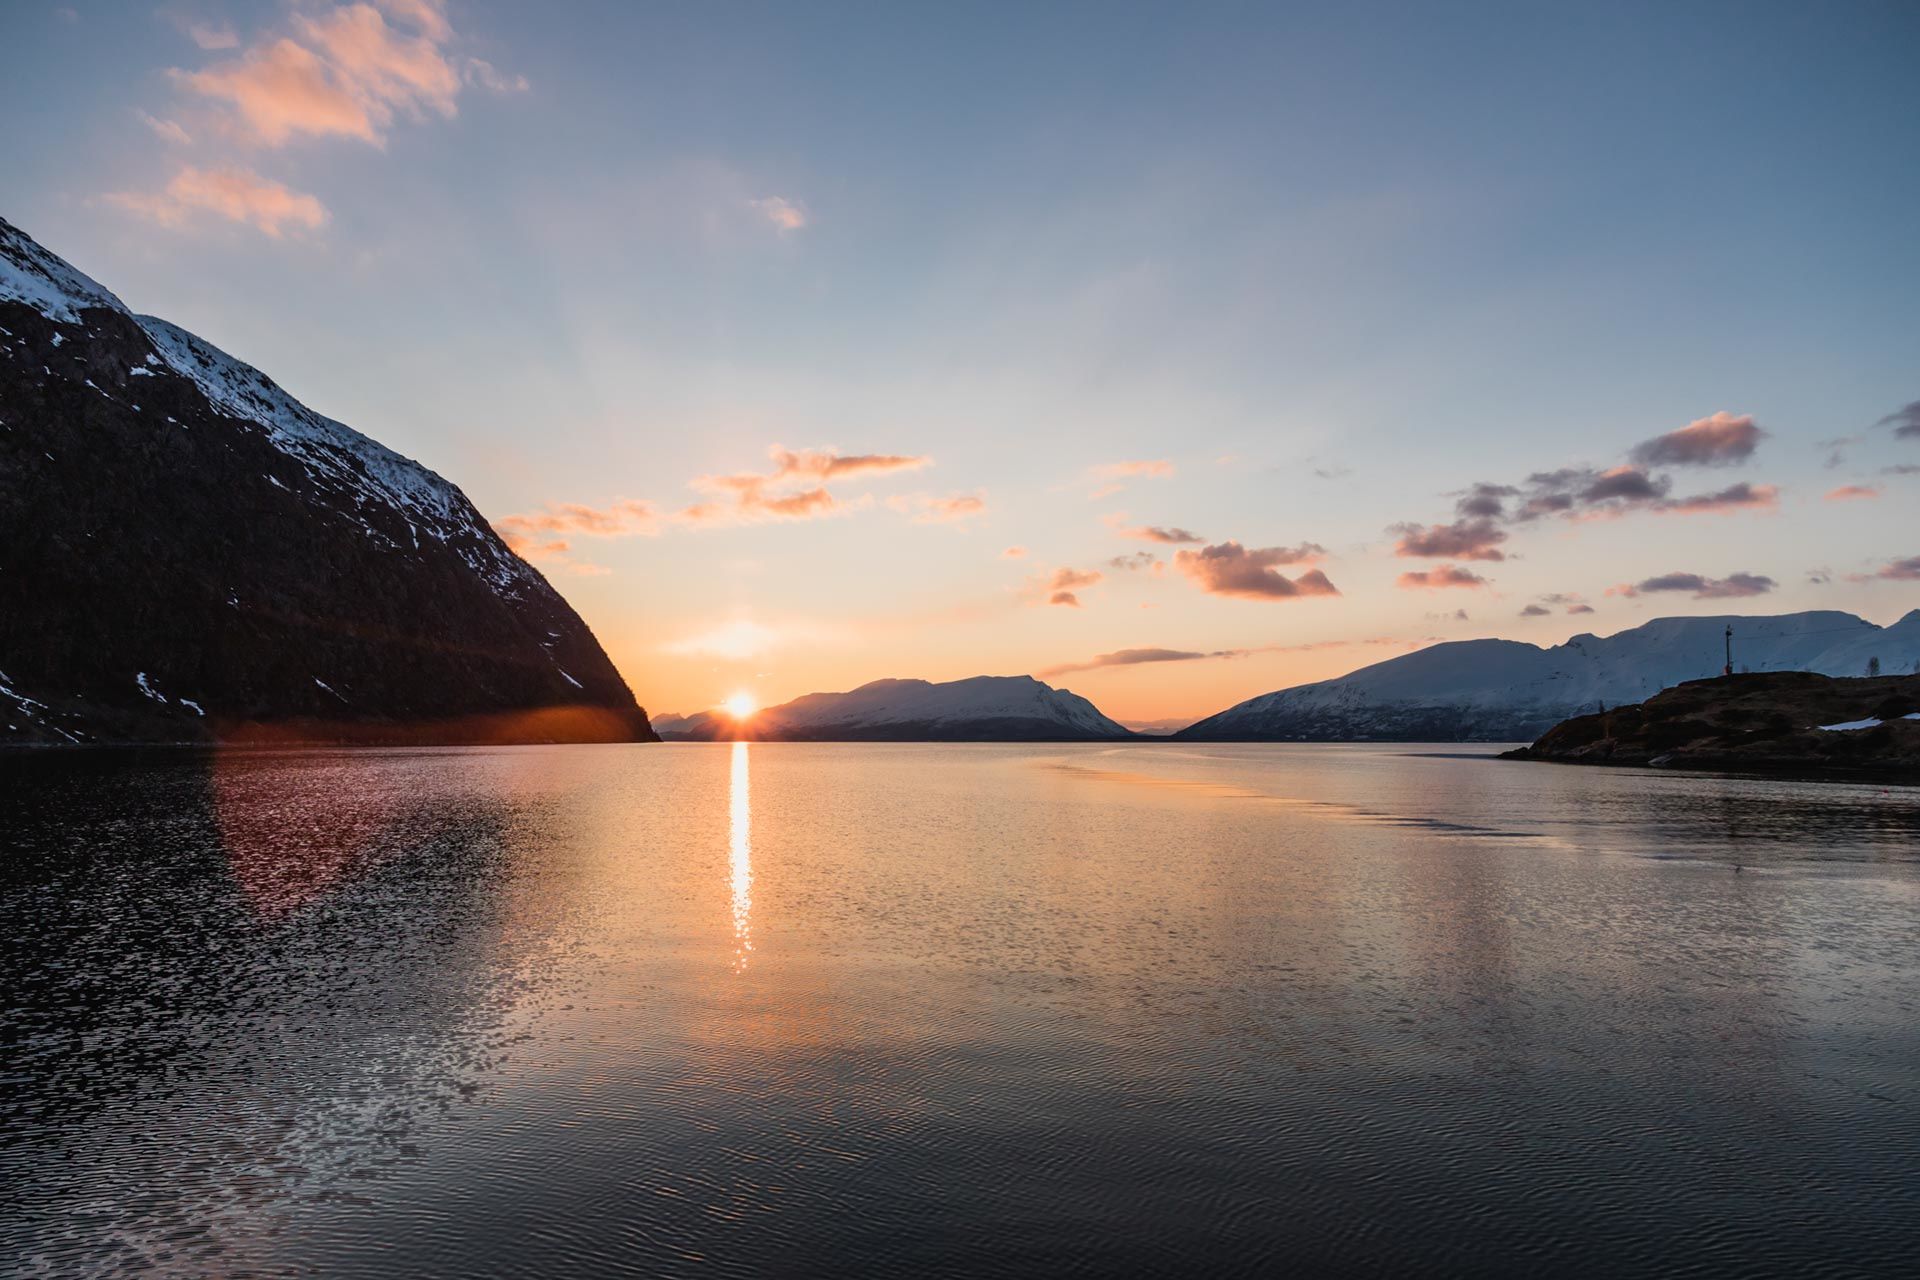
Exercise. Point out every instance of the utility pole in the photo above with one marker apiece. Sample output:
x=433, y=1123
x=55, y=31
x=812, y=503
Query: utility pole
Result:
x=1729, y=667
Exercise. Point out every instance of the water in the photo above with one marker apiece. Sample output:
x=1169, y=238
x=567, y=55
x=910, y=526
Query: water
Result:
x=792, y=1009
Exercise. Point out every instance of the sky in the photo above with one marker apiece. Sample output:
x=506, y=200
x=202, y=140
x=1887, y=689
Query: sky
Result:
x=1171, y=354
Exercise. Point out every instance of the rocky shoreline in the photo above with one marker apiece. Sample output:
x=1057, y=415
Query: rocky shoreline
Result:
x=1791, y=723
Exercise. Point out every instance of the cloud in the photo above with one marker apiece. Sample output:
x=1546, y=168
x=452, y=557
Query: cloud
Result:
x=1851, y=492
x=165, y=130
x=1713, y=441
x=1135, y=561
x=1067, y=578
x=781, y=212
x=1535, y=611
x=483, y=73
x=536, y=534
x=1906, y=570
x=1229, y=569
x=1126, y=470
x=793, y=489
x=1902, y=469
x=825, y=464
x=752, y=497
x=1168, y=535
x=213, y=35
x=1470, y=539
x=240, y=195
x=1127, y=658
x=1905, y=421
x=1579, y=608
x=343, y=72
x=1014, y=553
x=1733, y=586
x=1063, y=585
x=927, y=509
x=1440, y=577
x=1737, y=497
x=1138, y=657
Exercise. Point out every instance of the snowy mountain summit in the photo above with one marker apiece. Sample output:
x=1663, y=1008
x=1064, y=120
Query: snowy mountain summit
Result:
x=190, y=554
x=1508, y=691
x=980, y=709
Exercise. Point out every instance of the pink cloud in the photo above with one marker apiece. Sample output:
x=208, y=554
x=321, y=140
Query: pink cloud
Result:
x=1475, y=539
x=1229, y=569
x=1907, y=570
x=1852, y=492
x=781, y=212
x=1440, y=577
x=1131, y=469
x=927, y=509
x=1166, y=535
x=1014, y=553
x=1737, y=497
x=1712, y=441
x=343, y=72
x=239, y=195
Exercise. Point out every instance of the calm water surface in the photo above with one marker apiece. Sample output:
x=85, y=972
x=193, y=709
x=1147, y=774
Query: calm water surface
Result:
x=831, y=1009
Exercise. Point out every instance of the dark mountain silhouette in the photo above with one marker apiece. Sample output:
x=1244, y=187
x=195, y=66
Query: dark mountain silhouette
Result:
x=188, y=554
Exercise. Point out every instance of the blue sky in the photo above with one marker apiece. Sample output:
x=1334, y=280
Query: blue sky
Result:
x=1330, y=266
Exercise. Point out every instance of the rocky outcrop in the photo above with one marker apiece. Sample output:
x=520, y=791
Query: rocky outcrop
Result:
x=188, y=554
x=1796, y=723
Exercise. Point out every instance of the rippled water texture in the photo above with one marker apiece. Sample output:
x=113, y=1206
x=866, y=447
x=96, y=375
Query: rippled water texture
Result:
x=728, y=1010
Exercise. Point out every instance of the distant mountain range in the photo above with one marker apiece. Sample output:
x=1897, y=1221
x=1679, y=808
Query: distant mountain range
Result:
x=982, y=709
x=1507, y=691
x=189, y=554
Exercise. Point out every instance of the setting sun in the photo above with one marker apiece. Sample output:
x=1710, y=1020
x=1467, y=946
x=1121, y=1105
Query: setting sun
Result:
x=741, y=705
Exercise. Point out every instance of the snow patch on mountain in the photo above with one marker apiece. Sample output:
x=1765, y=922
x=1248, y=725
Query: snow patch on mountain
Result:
x=30, y=274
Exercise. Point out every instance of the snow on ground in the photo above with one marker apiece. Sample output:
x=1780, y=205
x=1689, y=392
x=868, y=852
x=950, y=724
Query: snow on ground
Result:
x=1848, y=726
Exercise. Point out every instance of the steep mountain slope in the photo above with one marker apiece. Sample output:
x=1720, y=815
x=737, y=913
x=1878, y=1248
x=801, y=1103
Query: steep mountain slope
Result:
x=188, y=554
x=980, y=709
x=1506, y=691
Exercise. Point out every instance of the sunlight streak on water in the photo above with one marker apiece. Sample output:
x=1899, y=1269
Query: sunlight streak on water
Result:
x=740, y=861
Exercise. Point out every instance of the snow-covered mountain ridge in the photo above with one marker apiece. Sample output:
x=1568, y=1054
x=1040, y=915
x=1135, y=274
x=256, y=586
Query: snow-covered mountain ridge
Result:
x=1508, y=691
x=189, y=547
x=982, y=708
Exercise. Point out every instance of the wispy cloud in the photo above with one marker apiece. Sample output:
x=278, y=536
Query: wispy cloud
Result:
x=239, y=195
x=928, y=509
x=1145, y=656
x=1906, y=570
x=1852, y=492
x=1062, y=587
x=1169, y=535
x=1229, y=569
x=213, y=35
x=1133, y=469
x=1905, y=421
x=1014, y=553
x=1440, y=577
x=331, y=71
x=783, y=213
x=1735, y=497
x=165, y=130
x=1700, y=587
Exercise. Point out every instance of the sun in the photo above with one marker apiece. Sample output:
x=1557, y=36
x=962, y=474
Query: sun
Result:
x=741, y=705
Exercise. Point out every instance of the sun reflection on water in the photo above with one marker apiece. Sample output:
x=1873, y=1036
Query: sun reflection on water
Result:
x=740, y=862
